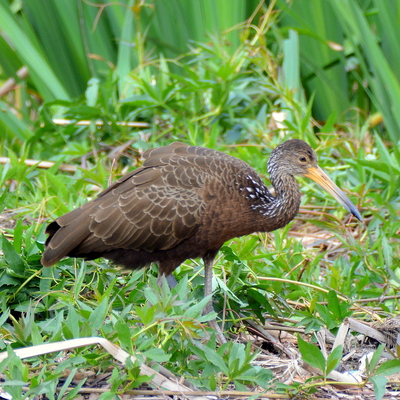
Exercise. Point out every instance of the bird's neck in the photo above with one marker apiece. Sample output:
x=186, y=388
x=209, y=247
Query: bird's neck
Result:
x=283, y=207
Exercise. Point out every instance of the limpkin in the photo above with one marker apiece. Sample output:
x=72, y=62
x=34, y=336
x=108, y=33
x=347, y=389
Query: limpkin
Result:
x=185, y=202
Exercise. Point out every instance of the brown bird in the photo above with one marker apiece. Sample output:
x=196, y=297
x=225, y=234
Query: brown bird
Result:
x=185, y=202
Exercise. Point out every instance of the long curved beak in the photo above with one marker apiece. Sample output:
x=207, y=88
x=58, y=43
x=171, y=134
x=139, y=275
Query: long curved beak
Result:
x=319, y=176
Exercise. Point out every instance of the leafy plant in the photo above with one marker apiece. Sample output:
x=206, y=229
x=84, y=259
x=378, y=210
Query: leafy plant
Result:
x=377, y=374
x=138, y=82
x=231, y=361
x=313, y=356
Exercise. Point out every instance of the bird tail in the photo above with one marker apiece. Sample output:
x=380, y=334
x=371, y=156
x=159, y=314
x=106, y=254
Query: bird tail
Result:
x=65, y=234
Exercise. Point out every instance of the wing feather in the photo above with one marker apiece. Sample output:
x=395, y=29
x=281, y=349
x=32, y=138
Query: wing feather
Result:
x=154, y=207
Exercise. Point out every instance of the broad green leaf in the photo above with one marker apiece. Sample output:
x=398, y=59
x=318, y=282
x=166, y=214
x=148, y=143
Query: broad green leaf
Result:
x=389, y=367
x=79, y=280
x=13, y=259
x=146, y=314
x=196, y=309
x=18, y=236
x=213, y=357
x=98, y=315
x=379, y=383
x=311, y=354
x=124, y=335
x=334, y=304
x=371, y=365
x=334, y=359
x=157, y=355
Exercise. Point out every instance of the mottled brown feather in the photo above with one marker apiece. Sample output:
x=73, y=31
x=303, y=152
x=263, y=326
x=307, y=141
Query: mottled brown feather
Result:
x=144, y=210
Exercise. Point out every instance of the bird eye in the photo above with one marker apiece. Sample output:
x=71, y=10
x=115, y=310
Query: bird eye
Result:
x=303, y=159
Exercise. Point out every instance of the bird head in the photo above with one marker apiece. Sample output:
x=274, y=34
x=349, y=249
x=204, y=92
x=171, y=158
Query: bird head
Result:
x=295, y=157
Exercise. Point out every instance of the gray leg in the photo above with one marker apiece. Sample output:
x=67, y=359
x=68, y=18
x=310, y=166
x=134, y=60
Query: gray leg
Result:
x=169, y=278
x=208, y=273
x=171, y=281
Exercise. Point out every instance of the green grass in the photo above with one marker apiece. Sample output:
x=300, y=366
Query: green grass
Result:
x=224, y=100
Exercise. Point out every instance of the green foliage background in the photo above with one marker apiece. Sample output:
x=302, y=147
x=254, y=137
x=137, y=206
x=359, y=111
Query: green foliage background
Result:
x=212, y=73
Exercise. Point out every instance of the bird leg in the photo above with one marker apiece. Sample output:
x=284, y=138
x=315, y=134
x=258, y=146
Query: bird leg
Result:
x=169, y=278
x=208, y=273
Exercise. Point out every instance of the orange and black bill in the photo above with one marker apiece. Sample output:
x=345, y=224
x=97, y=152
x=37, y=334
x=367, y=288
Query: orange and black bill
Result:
x=319, y=176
